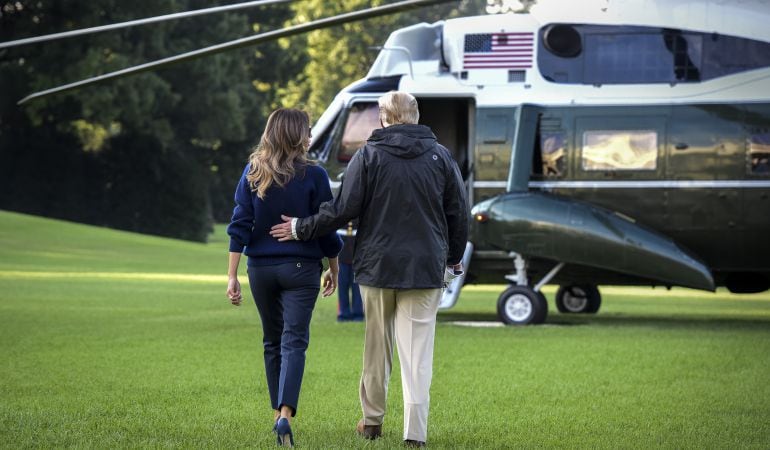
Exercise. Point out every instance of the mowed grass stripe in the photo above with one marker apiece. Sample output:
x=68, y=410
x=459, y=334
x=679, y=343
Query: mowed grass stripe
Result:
x=100, y=276
x=128, y=361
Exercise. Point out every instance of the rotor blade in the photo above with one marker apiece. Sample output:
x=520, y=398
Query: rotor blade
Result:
x=243, y=42
x=131, y=23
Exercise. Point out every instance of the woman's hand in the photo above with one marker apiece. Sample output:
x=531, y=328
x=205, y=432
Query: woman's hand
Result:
x=329, y=282
x=234, y=291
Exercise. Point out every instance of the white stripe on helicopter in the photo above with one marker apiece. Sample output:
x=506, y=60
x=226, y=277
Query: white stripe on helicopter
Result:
x=653, y=184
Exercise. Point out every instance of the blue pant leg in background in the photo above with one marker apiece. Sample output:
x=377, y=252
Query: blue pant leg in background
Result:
x=344, y=282
x=358, y=304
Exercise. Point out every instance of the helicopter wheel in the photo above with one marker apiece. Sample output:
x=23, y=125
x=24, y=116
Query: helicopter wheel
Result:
x=521, y=305
x=578, y=299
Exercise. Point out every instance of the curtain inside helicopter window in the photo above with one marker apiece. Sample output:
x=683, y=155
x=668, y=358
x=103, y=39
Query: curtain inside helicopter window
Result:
x=687, y=52
x=611, y=150
x=759, y=154
x=552, y=153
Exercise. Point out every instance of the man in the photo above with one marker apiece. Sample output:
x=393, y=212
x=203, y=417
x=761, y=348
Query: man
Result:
x=408, y=194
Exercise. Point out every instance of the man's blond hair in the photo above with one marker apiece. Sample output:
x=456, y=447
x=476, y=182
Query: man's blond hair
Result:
x=398, y=107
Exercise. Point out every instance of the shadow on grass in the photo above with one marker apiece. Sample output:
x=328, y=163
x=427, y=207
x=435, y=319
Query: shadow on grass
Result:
x=709, y=322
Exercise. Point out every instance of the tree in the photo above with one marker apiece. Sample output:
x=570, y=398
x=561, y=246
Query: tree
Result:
x=156, y=138
x=160, y=152
x=340, y=55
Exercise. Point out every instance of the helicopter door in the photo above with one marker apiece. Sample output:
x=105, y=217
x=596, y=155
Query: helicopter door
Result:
x=756, y=209
x=492, y=158
x=707, y=145
x=448, y=118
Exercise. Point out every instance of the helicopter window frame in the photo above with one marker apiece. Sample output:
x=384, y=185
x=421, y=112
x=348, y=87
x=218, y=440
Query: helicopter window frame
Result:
x=320, y=149
x=635, y=140
x=346, y=152
x=550, y=158
x=758, y=154
x=554, y=144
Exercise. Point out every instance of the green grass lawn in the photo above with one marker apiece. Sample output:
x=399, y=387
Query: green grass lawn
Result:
x=112, y=339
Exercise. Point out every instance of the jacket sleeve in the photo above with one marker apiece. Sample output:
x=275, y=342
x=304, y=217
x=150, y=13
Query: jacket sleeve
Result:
x=346, y=206
x=242, y=222
x=456, y=212
x=331, y=243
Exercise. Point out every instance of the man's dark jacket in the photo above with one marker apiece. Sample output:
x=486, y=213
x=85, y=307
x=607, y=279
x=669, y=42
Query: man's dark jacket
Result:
x=408, y=194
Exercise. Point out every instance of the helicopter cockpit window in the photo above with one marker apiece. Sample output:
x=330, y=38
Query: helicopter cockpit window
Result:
x=362, y=120
x=759, y=154
x=642, y=58
x=552, y=150
x=611, y=150
x=611, y=54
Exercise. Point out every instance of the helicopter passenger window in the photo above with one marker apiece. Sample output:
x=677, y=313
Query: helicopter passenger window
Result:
x=362, y=120
x=759, y=154
x=620, y=150
x=552, y=152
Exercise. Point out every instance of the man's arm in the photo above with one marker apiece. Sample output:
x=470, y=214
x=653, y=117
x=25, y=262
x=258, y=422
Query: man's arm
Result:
x=330, y=243
x=346, y=206
x=457, y=214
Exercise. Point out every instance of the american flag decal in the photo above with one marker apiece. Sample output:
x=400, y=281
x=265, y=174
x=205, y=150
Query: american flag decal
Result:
x=498, y=51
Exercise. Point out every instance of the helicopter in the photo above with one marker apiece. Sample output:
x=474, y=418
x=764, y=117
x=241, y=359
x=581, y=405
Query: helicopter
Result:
x=605, y=143
x=623, y=145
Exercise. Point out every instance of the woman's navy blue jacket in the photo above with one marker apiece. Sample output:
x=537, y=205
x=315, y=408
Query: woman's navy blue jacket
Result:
x=252, y=218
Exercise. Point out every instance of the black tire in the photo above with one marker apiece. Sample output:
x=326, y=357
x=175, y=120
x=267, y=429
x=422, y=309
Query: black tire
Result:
x=520, y=305
x=578, y=299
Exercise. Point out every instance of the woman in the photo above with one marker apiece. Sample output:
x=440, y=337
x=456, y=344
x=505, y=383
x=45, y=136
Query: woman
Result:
x=284, y=278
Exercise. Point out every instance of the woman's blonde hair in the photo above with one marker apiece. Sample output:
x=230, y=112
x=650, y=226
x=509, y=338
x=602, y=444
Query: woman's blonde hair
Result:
x=398, y=107
x=282, y=148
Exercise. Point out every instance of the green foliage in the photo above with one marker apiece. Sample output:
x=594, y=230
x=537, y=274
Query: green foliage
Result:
x=340, y=55
x=160, y=152
x=114, y=340
x=169, y=125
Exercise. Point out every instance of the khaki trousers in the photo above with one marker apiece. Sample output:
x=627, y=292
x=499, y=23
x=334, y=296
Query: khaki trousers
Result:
x=409, y=317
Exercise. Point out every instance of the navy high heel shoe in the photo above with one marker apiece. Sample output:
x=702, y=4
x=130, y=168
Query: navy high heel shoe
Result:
x=283, y=433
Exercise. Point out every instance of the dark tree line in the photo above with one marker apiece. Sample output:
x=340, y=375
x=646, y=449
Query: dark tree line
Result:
x=160, y=152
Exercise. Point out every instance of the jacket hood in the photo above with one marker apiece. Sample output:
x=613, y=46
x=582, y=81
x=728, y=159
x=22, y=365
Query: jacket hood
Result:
x=405, y=141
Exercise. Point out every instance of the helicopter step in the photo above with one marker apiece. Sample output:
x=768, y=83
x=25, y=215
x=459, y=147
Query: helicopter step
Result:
x=452, y=291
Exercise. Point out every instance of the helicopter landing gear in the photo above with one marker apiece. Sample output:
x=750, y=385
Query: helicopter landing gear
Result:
x=521, y=304
x=578, y=298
